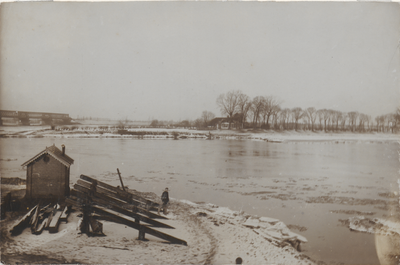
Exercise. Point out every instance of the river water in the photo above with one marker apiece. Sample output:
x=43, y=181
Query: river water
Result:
x=308, y=184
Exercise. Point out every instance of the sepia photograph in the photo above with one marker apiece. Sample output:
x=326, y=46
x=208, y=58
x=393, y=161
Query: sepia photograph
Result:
x=200, y=132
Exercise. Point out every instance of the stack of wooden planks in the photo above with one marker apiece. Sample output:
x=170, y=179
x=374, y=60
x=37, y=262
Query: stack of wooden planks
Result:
x=40, y=218
x=120, y=206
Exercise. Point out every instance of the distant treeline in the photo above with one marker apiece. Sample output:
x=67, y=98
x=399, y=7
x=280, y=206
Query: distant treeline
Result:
x=239, y=111
x=265, y=112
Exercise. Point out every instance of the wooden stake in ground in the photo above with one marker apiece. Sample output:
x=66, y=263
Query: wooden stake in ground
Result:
x=120, y=179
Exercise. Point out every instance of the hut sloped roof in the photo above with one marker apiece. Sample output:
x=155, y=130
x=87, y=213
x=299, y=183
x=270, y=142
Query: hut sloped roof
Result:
x=217, y=120
x=55, y=153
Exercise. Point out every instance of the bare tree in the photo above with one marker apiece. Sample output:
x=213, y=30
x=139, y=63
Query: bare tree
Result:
x=328, y=114
x=284, y=117
x=206, y=117
x=263, y=112
x=368, y=121
x=306, y=121
x=256, y=107
x=228, y=104
x=330, y=119
x=290, y=120
x=324, y=115
x=391, y=121
x=320, y=114
x=336, y=116
x=297, y=114
x=275, y=115
x=312, y=116
x=382, y=122
x=377, y=119
x=198, y=123
x=153, y=123
x=353, y=119
x=343, y=118
x=396, y=119
x=184, y=123
x=270, y=104
x=362, y=119
x=244, y=105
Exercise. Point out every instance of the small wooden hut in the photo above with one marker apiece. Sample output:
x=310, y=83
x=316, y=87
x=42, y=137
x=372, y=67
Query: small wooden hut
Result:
x=47, y=175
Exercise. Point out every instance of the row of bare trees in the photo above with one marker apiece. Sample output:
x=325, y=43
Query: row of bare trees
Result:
x=388, y=122
x=238, y=107
x=265, y=112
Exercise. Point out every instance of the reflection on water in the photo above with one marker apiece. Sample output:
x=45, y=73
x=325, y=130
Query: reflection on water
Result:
x=307, y=185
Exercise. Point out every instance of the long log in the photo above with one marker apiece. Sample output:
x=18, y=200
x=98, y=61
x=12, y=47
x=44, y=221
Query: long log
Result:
x=142, y=228
x=55, y=222
x=119, y=191
x=23, y=222
x=51, y=214
x=35, y=219
x=118, y=218
x=79, y=199
x=41, y=227
x=107, y=203
x=87, y=184
x=137, y=217
x=120, y=179
x=64, y=215
x=111, y=196
x=111, y=193
x=122, y=204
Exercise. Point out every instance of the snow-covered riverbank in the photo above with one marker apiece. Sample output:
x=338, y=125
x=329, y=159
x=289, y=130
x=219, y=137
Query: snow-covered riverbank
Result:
x=215, y=235
x=161, y=133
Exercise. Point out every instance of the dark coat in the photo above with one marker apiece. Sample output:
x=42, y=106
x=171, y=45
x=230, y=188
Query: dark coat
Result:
x=165, y=197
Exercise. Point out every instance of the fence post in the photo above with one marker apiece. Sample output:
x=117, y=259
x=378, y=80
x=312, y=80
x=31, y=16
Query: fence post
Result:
x=141, y=234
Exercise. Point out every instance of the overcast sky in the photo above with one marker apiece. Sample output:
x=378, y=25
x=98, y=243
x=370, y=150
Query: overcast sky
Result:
x=171, y=60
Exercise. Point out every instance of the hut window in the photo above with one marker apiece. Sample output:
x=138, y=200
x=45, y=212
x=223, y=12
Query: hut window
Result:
x=46, y=158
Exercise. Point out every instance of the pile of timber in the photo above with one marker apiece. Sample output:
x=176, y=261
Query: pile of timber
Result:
x=114, y=204
x=41, y=218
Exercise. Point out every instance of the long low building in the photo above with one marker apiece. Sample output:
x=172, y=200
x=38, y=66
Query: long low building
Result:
x=29, y=117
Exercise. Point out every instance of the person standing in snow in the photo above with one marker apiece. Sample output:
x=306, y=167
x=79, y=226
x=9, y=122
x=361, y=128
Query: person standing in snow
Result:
x=165, y=200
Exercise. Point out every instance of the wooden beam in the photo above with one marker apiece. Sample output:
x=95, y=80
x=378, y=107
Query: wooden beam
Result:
x=144, y=229
x=107, y=192
x=64, y=214
x=119, y=191
x=118, y=218
x=114, y=201
x=120, y=179
x=106, y=203
x=129, y=213
x=55, y=222
x=111, y=193
x=23, y=222
x=42, y=226
x=35, y=219
x=120, y=200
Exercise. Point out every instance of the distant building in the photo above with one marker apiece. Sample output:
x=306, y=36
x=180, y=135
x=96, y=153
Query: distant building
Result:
x=222, y=123
x=12, y=117
x=216, y=123
x=47, y=174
